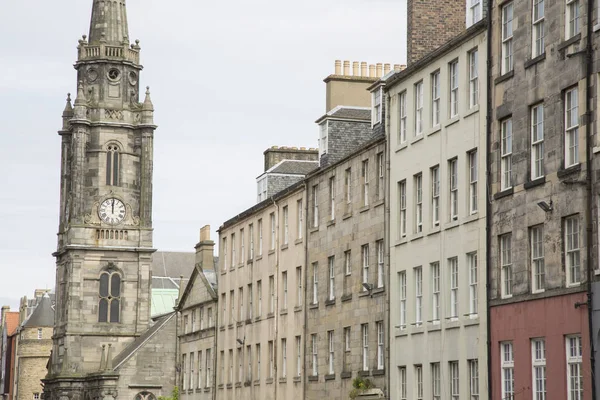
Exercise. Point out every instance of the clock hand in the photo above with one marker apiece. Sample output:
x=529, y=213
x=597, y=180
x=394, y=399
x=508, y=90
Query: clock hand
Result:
x=113, y=206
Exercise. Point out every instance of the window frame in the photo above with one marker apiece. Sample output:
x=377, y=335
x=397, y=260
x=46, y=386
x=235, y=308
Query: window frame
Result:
x=538, y=368
x=454, y=284
x=403, y=293
x=572, y=248
x=473, y=180
x=418, y=204
x=537, y=141
x=506, y=273
x=435, y=292
x=419, y=108
x=472, y=263
x=418, y=274
x=453, y=188
x=507, y=59
x=435, y=195
x=402, y=126
x=473, y=78
x=572, y=18
x=574, y=364
x=536, y=250
x=538, y=29
x=402, y=205
x=571, y=130
x=506, y=146
x=435, y=98
x=507, y=370
x=453, y=74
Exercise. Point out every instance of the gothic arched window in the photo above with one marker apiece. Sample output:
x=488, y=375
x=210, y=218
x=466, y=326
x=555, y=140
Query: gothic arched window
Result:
x=112, y=165
x=109, y=303
x=145, y=396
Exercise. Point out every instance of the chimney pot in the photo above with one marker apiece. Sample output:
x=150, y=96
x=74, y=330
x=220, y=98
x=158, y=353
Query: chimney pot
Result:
x=379, y=70
x=346, y=68
x=363, y=69
x=372, y=71
x=205, y=233
x=355, y=69
x=386, y=68
x=397, y=67
x=338, y=67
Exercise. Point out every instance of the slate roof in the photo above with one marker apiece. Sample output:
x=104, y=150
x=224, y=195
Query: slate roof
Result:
x=42, y=316
x=211, y=277
x=173, y=264
x=293, y=167
x=141, y=340
x=166, y=282
x=351, y=113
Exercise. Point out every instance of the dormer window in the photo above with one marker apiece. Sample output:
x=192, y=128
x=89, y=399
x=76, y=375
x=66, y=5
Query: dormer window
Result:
x=376, y=117
x=323, y=142
x=112, y=165
x=261, y=189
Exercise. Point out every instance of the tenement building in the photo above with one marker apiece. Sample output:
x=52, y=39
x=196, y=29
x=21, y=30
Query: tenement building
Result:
x=261, y=301
x=105, y=345
x=197, y=309
x=437, y=221
x=539, y=166
x=347, y=274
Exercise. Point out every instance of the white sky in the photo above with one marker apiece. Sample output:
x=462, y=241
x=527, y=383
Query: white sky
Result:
x=228, y=79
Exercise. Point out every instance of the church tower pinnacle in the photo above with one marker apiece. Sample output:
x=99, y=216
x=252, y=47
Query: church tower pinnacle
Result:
x=104, y=252
x=109, y=23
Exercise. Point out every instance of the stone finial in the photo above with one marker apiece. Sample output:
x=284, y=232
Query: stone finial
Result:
x=80, y=100
x=103, y=358
x=68, y=111
x=148, y=106
x=109, y=361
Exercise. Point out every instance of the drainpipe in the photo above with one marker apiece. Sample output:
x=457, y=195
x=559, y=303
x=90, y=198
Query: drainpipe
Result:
x=387, y=240
x=305, y=290
x=488, y=203
x=589, y=53
x=276, y=300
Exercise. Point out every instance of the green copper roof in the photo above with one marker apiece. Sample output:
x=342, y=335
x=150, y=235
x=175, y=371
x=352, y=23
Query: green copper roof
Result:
x=163, y=301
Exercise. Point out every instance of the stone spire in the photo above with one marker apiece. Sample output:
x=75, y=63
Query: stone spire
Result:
x=109, y=23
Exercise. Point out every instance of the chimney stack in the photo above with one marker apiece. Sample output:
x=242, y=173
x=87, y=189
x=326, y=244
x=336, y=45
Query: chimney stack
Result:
x=431, y=23
x=5, y=309
x=205, y=250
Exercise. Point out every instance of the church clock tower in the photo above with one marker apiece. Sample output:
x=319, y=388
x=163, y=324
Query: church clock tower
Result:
x=103, y=275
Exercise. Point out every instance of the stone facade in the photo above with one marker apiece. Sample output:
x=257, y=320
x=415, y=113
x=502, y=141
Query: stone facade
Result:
x=346, y=292
x=33, y=351
x=198, y=310
x=540, y=207
x=103, y=261
x=438, y=222
x=261, y=300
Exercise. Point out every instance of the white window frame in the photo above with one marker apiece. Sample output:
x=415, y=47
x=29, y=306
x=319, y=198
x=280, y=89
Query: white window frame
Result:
x=331, y=286
x=402, y=201
x=474, y=12
x=300, y=219
x=348, y=186
x=435, y=292
x=572, y=238
x=536, y=241
x=538, y=29
x=365, y=264
x=402, y=284
x=286, y=225
x=506, y=154
x=507, y=365
x=273, y=232
x=251, y=237
x=538, y=368
x=381, y=176
x=418, y=273
x=419, y=381
x=315, y=294
x=323, y=138
x=454, y=380
x=271, y=359
x=377, y=106
x=260, y=237
x=259, y=298
x=436, y=381
x=298, y=356
x=574, y=367
x=507, y=61
x=453, y=274
x=435, y=98
x=572, y=18
x=506, y=274
x=272, y=294
x=299, y=293
x=258, y=364
x=454, y=78
x=284, y=283
x=380, y=344
x=418, y=108
x=365, y=178
x=331, y=353
x=453, y=175
x=315, y=356
x=348, y=262
x=365, y=346
x=435, y=195
x=571, y=127
x=537, y=141
x=403, y=122
x=249, y=363
x=332, y=198
x=380, y=263
x=418, y=185
x=242, y=246
x=473, y=284
x=473, y=78
x=315, y=207
x=473, y=379
x=224, y=254
x=403, y=382
x=473, y=178
x=284, y=357
x=233, y=251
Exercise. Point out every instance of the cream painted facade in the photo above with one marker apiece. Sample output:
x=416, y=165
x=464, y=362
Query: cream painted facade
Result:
x=261, y=277
x=437, y=261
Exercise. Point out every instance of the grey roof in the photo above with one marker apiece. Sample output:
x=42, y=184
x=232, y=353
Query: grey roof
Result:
x=293, y=167
x=173, y=264
x=166, y=282
x=42, y=316
x=351, y=113
x=211, y=277
x=143, y=338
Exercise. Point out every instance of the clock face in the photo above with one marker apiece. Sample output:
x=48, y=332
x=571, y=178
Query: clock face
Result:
x=112, y=211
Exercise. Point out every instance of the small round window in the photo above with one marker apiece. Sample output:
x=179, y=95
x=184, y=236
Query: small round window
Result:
x=133, y=78
x=114, y=74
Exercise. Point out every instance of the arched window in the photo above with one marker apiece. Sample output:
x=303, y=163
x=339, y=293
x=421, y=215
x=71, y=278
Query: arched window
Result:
x=145, y=396
x=112, y=165
x=109, y=303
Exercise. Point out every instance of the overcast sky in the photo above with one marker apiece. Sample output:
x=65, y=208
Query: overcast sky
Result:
x=228, y=79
